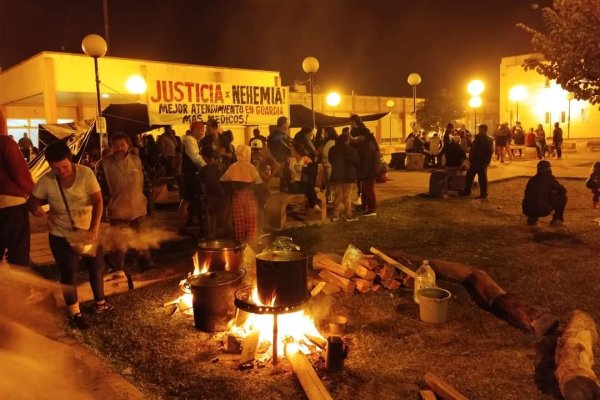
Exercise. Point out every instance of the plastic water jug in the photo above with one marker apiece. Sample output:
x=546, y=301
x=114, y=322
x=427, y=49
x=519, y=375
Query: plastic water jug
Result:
x=425, y=279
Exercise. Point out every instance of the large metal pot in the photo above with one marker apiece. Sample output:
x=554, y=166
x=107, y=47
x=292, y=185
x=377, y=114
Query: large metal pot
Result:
x=281, y=278
x=220, y=255
x=213, y=295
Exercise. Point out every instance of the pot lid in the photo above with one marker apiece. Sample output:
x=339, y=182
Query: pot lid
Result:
x=220, y=244
x=216, y=278
x=282, y=256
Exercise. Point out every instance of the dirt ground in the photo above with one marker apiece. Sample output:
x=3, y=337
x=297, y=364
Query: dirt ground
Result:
x=390, y=349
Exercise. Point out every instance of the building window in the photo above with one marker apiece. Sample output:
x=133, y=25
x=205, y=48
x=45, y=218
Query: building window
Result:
x=17, y=127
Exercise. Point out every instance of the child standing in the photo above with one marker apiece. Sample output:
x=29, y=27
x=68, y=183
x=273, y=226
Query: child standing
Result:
x=593, y=183
x=244, y=177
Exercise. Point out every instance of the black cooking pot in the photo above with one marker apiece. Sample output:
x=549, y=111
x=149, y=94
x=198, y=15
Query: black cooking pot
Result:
x=221, y=255
x=213, y=295
x=282, y=275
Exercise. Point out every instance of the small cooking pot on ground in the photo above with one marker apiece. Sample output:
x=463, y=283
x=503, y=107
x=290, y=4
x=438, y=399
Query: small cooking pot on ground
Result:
x=281, y=278
x=220, y=254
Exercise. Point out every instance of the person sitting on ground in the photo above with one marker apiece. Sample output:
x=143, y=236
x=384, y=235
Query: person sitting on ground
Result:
x=218, y=205
x=543, y=194
x=300, y=179
x=244, y=177
x=345, y=162
x=593, y=183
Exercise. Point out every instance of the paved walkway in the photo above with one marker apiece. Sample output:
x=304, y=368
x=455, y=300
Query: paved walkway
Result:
x=412, y=183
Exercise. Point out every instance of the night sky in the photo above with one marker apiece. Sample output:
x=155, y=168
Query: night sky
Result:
x=369, y=46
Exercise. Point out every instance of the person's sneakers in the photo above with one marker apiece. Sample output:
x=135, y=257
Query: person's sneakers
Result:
x=335, y=219
x=77, y=321
x=369, y=214
x=557, y=222
x=351, y=219
x=357, y=202
x=104, y=307
x=531, y=221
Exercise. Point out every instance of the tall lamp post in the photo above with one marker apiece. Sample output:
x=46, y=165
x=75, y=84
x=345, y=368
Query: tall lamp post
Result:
x=570, y=97
x=95, y=46
x=475, y=102
x=413, y=80
x=390, y=104
x=517, y=93
x=475, y=88
x=310, y=65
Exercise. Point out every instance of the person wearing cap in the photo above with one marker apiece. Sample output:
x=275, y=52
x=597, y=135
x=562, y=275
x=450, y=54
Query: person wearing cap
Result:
x=126, y=189
x=480, y=156
x=544, y=195
x=258, y=141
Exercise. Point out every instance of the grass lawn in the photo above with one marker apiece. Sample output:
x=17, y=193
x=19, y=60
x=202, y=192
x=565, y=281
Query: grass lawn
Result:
x=390, y=349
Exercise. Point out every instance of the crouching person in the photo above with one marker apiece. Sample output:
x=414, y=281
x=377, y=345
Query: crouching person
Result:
x=244, y=177
x=73, y=194
x=126, y=188
x=543, y=195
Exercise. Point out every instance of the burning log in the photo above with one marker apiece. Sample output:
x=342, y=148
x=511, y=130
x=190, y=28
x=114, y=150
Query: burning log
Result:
x=345, y=284
x=575, y=358
x=249, y=346
x=442, y=388
x=325, y=261
x=491, y=297
x=312, y=385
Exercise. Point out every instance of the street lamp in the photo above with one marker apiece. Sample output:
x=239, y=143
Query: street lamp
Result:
x=310, y=65
x=95, y=46
x=413, y=80
x=475, y=87
x=390, y=104
x=475, y=103
x=136, y=84
x=517, y=94
x=570, y=97
x=333, y=99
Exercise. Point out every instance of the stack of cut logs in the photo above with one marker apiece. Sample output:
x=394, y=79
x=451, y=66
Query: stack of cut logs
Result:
x=368, y=274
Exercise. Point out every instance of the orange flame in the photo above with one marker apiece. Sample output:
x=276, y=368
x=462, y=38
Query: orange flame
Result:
x=197, y=269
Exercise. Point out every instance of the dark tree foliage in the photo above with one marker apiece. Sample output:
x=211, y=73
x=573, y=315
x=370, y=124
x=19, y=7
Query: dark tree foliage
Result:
x=439, y=109
x=570, y=45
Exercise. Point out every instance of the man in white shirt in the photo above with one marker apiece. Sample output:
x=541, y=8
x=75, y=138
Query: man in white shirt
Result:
x=191, y=164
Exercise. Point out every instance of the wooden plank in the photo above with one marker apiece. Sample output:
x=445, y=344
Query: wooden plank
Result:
x=312, y=385
x=393, y=262
x=442, y=388
x=427, y=395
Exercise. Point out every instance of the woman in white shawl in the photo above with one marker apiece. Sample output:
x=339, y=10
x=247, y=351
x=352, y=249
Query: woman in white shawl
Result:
x=244, y=177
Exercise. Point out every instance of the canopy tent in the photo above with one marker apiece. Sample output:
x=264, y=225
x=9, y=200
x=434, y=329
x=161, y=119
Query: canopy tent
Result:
x=301, y=116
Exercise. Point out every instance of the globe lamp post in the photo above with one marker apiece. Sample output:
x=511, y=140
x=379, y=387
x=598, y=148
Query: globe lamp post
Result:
x=413, y=80
x=310, y=65
x=95, y=46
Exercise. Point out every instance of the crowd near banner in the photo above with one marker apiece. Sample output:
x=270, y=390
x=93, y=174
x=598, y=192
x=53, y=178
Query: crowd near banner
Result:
x=173, y=102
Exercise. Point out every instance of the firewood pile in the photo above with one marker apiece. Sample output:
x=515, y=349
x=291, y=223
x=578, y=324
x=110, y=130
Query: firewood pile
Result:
x=368, y=274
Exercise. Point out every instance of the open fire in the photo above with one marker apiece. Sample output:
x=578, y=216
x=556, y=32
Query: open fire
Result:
x=184, y=302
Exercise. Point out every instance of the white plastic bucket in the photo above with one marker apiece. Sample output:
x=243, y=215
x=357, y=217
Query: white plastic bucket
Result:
x=433, y=305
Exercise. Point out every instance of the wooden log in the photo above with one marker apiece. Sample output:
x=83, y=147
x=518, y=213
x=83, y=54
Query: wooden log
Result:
x=442, y=388
x=363, y=285
x=376, y=288
x=312, y=385
x=449, y=271
x=318, y=288
x=393, y=262
x=483, y=289
x=391, y=284
x=345, y=284
x=249, y=347
x=532, y=318
x=323, y=261
x=574, y=358
x=364, y=273
x=330, y=289
x=387, y=272
x=372, y=263
x=427, y=395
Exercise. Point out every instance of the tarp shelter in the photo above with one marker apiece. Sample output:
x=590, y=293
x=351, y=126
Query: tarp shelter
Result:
x=301, y=116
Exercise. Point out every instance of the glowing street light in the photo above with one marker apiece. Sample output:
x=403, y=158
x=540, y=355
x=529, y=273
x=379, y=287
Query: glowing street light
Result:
x=475, y=87
x=310, y=65
x=475, y=102
x=95, y=46
x=413, y=80
x=136, y=84
x=390, y=104
x=333, y=99
x=517, y=93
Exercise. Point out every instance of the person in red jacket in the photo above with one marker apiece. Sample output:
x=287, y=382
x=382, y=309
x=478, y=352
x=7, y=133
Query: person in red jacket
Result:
x=15, y=187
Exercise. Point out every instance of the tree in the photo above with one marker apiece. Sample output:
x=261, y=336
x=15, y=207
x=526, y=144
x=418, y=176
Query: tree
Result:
x=570, y=46
x=439, y=109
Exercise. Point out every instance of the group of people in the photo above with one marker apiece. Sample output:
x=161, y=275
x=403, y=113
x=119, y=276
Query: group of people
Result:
x=436, y=148
x=505, y=136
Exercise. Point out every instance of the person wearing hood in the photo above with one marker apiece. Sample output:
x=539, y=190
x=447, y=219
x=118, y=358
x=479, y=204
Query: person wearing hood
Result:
x=543, y=195
x=370, y=163
x=244, y=177
x=126, y=189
